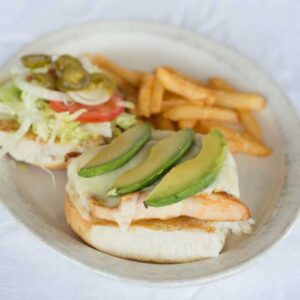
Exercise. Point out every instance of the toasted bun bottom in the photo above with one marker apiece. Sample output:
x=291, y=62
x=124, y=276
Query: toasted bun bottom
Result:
x=173, y=241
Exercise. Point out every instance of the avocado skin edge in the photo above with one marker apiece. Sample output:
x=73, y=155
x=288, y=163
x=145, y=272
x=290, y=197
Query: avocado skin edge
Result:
x=116, y=163
x=198, y=185
x=159, y=173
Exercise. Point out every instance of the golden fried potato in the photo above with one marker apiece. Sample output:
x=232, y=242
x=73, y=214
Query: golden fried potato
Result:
x=241, y=101
x=250, y=124
x=180, y=86
x=193, y=112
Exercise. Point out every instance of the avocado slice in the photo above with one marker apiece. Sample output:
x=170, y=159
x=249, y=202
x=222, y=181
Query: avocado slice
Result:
x=119, y=152
x=161, y=157
x=191, y=176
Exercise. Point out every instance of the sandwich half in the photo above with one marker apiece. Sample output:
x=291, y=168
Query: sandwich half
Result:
x=132, y=226
x=55, y=107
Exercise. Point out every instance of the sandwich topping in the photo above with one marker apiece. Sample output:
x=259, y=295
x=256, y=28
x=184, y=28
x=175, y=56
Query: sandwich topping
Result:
x=217, y=199
x=60, y=99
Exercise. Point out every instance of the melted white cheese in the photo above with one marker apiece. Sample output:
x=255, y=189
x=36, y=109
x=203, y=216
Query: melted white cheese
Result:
x=82, y=189
x=227, y=180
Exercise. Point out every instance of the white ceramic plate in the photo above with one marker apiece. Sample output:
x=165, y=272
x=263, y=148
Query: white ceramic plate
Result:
x=269, y=186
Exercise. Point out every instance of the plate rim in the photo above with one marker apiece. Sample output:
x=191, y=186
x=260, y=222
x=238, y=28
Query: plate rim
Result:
x=187, y=35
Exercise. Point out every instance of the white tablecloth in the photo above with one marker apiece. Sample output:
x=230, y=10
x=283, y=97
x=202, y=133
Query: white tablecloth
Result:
x=266, y=31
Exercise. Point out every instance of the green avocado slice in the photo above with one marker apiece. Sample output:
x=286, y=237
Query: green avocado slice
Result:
x=119, y=152
x=161, y=157
x=191, y=176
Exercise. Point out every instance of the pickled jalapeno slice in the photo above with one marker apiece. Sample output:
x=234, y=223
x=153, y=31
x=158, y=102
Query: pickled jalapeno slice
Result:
x=65, y=61
x=44, y=79
x=73, y=78
x=101, y=80
x=33, y=61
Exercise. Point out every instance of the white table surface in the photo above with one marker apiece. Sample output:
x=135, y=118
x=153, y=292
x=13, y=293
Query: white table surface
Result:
x=266, y=31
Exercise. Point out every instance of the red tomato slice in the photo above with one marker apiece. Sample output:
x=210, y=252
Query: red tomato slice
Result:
x=95, y=113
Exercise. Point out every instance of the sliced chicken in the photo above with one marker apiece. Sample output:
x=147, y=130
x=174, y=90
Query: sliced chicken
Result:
x=206, y=207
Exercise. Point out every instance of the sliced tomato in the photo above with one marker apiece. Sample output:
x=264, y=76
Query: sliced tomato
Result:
x=95, y=113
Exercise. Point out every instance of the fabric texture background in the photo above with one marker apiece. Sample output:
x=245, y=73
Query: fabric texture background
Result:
x=266, y=31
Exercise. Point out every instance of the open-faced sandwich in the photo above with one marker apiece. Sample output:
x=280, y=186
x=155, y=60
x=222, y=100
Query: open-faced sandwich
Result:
x=53, y=107
x=156, y=196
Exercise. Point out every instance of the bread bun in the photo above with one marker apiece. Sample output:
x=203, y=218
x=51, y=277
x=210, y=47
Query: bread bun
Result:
x=50, y=156
x=177, y=240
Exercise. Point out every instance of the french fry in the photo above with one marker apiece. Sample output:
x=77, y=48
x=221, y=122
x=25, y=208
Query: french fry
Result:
x=180, y=86
x=193, y=112
x=185, y=76
x=186, y=124
x=170, y=96
x=234, y=146
x=242, y=101
x=207, y=101
x=172, y=100
x=250, y=124
x=206, y=126
x=201, y=128
x=144, y=97
x=218, y=83
x=126, y=88
x=253, y=147
x=162, y=123
x=242, y=142
x=157, y=96
x=134, y=77
x=166, y=105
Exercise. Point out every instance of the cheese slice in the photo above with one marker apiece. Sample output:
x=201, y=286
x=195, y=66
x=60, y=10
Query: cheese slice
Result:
x=82, y=189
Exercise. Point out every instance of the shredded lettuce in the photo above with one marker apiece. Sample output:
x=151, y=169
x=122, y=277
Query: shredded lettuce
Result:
x=41, y=129
x=125, y=120
x=12, y=140
x=9, y=93
x=6, y=112
x=10, y=103
x=69, y=131
x=49, y=125
x=62, y=127
x=103, y=128
x=116, y=131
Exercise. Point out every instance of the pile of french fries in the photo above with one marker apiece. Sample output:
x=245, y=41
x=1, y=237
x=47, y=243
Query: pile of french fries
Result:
x=172, y=100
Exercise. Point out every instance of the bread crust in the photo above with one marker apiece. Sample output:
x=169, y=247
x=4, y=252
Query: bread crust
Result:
x=153, y=233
